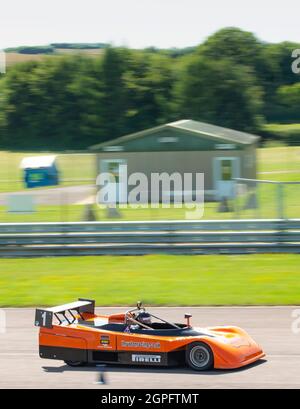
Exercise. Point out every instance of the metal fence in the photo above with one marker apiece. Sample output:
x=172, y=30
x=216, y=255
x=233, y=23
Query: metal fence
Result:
x=266, y=199
x=254, y=199
x=74, y=199
x=178, y=237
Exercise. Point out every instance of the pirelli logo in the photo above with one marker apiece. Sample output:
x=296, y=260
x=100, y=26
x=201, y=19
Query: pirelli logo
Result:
x=151, y=359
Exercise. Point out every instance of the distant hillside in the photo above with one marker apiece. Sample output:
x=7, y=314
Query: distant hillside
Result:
x=13, y=58
x=79, y=46
x=37, y=53
x=50, y=49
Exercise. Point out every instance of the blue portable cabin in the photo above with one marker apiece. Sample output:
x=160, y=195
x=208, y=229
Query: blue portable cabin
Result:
x=40, y=171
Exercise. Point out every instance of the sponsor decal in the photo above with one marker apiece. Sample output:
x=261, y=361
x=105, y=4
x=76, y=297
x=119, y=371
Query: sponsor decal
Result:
x=104, y=340
x=153, y=359
x=147, y=345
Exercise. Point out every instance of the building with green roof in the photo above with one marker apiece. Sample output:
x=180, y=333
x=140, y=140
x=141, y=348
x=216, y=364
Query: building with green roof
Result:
x=182, y=147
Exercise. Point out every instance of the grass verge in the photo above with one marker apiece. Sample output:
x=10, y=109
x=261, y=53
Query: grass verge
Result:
x=157, y=280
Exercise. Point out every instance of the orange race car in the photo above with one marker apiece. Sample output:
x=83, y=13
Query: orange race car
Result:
x=75, y=334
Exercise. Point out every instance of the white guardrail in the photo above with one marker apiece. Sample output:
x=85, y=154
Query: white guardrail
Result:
x=148, y=237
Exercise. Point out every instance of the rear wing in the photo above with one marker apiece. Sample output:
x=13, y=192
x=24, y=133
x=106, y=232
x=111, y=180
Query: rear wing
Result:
x=44, y=318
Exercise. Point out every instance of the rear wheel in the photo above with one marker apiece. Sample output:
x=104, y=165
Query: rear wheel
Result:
x=75, y=364
x=199, y=356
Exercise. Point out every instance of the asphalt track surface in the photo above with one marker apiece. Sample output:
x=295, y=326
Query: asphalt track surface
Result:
x=270, y=326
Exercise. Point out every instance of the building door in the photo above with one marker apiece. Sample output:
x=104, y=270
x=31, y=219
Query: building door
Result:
x=116, y=170
x=225, y=171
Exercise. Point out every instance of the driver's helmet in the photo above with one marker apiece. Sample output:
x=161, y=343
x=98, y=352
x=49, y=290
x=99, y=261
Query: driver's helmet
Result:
x=144, y=318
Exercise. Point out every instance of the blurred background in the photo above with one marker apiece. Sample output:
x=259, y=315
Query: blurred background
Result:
x=64, y=98
x=59, y=100
x=274, y=195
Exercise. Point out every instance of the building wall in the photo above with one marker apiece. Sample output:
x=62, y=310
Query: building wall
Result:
x=182, y=162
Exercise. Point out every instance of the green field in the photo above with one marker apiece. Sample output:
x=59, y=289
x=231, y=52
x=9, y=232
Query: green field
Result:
x=75, y=169
x=286, y=133
x=281, y=164
x=74, y=213
x=283, y=127
x=157, y=280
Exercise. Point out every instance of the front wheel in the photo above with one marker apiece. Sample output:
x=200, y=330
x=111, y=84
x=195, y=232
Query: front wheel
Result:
x=199, y=356
x=75, y=364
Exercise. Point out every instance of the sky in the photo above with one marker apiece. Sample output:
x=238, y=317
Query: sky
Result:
x=143, y=23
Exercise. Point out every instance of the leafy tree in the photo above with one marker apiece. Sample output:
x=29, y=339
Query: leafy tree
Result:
x=270, y=63
x=219, y=92
x=74, y=101
x=280, y=74
x=289, y=99
x=242, y=47
x=40, y=106
x=149, y=81
x=113, y=102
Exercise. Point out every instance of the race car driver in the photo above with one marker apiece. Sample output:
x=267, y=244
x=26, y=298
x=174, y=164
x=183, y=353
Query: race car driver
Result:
x=143, y=318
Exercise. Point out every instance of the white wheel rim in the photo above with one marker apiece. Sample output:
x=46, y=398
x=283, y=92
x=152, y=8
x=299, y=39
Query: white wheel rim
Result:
x=199, y=356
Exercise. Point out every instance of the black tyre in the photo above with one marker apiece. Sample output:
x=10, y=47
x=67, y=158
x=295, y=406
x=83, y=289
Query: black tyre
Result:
x=199, y=356
x=75, y=364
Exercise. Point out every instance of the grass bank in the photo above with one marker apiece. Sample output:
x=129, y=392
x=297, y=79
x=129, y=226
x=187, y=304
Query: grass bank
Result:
x=157, y=280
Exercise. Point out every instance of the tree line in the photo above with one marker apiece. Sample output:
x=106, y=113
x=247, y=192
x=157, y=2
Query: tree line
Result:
x=52, y=48
x=74, y=101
